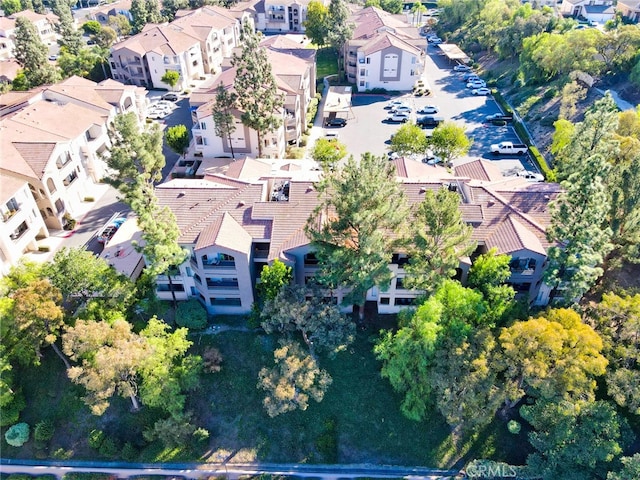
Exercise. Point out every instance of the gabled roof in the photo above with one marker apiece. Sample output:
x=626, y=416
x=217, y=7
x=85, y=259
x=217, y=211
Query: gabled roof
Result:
x=385, y=40
x=199, y=23
x=480, y=170
x=225, y=232
x=407, y=168
x=161, y=39
x=511, y=236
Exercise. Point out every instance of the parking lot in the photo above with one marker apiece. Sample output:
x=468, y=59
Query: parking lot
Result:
x=367, y=132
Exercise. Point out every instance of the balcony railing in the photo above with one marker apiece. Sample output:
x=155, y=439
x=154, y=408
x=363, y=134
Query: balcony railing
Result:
x=222, y=265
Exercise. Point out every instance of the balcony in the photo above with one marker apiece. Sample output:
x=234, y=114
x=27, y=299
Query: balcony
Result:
x=19, y=232
x=222, y=284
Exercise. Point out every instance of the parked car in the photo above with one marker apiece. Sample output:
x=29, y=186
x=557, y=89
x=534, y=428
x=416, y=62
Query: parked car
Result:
x=335, y=122
x=476, y=84
x=531, y=176
x=429, y=121
x=462, y=68
x=157, y=114
x=170, y=97
x=393, y=155
x=427, y=109
x=481, y=91
x=53, y=58
x=399, y=117
x=469, y=76
x=393, y=104
x=402, y=109
x=434, y=40
x=499, y=117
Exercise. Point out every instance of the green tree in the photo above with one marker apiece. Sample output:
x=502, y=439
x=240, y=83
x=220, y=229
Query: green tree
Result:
x=320, y=323
x=26, y=4
x=106, y=37
x=109, y=356
x=293, y=381
x=409, y=139
x=92, y=27
x=316, y=26
x=81, y=276
x=139, y=15
x=191, y=314
x=170, y=7
x=408, y=357
x=9, y=7
x=153, y=11
x=256, y=88
x=71, y=38
x=120, y=24
x=618, y=48
x=340, y=29
x=417, y=11
x=361, y=206
x=552, y=357
x=328, y=153
x=273, y=278
x=391, y=6
x=573, y=441
x=223, y=119
x=449, y=141
x=438, y=238
x=31, y=54
x=580, y=240
x=83, y=65
x=617, y=319
x=488, y=275
x=630, y=469
x=177, y=137
x=167, y=372
x=173, y=432
x=465, y=383
x=171, y=78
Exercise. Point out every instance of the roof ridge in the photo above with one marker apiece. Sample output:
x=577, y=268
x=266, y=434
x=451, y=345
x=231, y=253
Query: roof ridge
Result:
x=504, y=201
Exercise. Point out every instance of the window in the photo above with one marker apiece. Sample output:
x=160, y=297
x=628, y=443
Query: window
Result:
x=362, y=83
x=69, y=179
x=189, y=272
x=226, y=302
x=403, y=301
x=51, y=186
x=310, y=260
x=12, y=205
x=363, y=72
x=60, y=206
x=203, y=126
x=384, y=300
x=222, y=283
x=197, y=278
x=18, y=232
x=413, y=60
x=400, y=283
x=399, y=259
x=165, y=287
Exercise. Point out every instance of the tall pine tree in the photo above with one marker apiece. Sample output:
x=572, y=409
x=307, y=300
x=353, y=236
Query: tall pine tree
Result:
x=31, y=54
x=255, y=85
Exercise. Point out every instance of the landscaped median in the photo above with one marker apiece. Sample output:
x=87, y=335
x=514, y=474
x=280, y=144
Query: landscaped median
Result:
x=540, y=161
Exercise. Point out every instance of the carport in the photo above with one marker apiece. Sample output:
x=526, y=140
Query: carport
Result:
x=453, y=53
x=337, y=104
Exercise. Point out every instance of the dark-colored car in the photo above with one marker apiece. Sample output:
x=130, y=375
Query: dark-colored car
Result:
x=335, y=122
x=429, y=121
x=170, y=97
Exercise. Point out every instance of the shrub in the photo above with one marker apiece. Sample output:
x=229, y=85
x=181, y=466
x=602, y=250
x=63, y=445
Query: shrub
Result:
x=548, y=121
x=19, y=476
x=129, y=452
x=295, y=153
x=191, y=314
x=514, y=427
x=43, y=431
x=312, y=110
x=17, y=435
x=550, y=93
x=86, y=476
x=96, y=437
x=62, y=454
x=200, y=435
x=212, y=359
x=506, y=108
x=327, y=442
x=548, y=173
x=69, y=222
x=44, y=248
x=89, y=199
x=109, y=448
x=11, y=412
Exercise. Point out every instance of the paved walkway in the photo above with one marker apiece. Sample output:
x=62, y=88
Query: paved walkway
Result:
x=622, y=104
x=231, y=471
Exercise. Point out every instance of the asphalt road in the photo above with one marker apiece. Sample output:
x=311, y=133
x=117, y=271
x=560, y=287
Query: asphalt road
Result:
x=232, y=471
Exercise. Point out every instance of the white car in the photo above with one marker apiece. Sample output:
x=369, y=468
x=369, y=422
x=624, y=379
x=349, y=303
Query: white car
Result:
x=398, y=117
x=394, y=103
x=402, y=109
x=477, y=84
x=481, y=91
x=427, y=109
x=434, y=41
x=331, y=135
x=531, y=176
x=462, y=68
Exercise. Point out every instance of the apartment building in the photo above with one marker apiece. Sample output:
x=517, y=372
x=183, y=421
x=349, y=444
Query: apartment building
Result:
x=194, y=45
x=384, y=51
x=44, y=25
x=243, y=216
x=294, y=79
x=143, y=59
x=282, y=16
x=52, y=141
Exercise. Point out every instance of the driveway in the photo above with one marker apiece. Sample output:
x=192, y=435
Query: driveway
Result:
x=366, y=131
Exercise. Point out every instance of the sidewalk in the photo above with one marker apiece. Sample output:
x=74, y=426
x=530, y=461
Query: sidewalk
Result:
x=623, y=105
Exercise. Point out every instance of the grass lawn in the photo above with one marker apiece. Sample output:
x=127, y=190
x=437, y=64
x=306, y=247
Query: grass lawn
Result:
x=326, y=62
x=358, y=421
